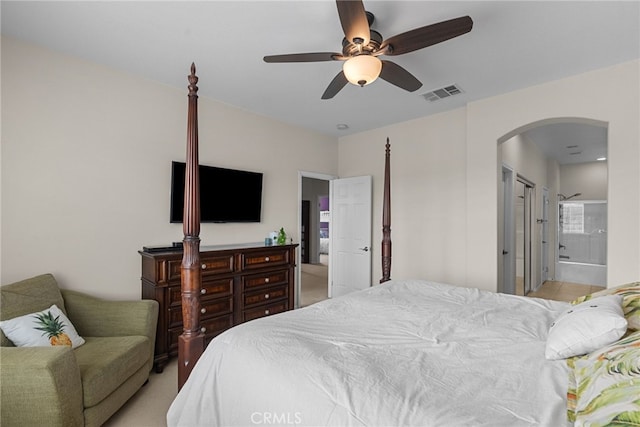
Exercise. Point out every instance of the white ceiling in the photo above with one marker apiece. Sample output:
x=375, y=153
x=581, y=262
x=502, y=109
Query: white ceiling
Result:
x=513, y=44
x=570, y=143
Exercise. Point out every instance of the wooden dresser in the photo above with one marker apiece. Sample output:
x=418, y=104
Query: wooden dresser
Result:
x=239, y=283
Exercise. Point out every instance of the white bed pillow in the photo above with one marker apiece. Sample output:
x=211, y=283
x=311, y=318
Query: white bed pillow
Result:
x=586, y=327
x=23, y=331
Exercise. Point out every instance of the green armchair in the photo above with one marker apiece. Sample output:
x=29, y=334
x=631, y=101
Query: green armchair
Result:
x=84, y=386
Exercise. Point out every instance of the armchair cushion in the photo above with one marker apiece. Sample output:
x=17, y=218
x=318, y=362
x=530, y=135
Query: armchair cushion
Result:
x=95, y=317
x=107, y=362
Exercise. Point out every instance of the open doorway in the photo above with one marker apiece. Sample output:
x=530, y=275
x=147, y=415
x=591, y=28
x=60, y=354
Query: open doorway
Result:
x=566, y=222
x=315, y=229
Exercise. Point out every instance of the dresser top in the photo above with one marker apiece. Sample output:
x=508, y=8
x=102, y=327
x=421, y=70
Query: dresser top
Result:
x=208, y=248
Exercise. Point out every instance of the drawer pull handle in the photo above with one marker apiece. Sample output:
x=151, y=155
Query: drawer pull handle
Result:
x=266, y=296
x=203, y=329
x=204, y=266
x=203, y=310
x=266, y=280
x=203, y=291
x=266, y=312
x=266, y=259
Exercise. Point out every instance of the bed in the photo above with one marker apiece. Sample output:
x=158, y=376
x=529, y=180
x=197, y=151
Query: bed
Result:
x=412, y=352
x=324, y=245
x=396, y=354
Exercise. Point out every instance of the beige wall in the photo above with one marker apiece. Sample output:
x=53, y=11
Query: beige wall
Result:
x=428, y=193
x=86, y=154
x=589, y=179
x=445, y=172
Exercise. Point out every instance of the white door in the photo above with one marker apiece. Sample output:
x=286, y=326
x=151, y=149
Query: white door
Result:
x=350, y=251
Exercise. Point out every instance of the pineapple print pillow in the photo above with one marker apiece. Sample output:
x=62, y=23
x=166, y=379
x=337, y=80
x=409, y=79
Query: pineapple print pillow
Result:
x=43, y=329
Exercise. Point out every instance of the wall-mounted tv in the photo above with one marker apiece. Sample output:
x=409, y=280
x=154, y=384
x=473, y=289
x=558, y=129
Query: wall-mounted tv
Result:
x=226, y=195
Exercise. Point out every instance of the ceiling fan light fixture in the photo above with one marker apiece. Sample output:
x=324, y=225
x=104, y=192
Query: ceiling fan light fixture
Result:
x=362, y=69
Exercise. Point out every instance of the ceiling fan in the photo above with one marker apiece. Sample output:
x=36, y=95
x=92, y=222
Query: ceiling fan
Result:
x=362, y=46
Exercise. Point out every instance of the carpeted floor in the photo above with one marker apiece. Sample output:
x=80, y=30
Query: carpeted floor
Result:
x=313, y=282
x=149, y=406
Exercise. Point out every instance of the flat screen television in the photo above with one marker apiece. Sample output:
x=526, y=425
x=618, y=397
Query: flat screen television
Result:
x=226, y=195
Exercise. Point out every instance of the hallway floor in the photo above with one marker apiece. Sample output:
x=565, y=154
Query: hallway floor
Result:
x=314, y=282
x=563, y=291
x=314, y=286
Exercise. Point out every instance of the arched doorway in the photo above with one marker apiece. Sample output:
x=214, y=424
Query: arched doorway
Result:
x=560, y=160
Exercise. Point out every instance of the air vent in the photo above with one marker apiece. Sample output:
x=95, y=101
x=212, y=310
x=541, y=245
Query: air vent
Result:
x=445, y=92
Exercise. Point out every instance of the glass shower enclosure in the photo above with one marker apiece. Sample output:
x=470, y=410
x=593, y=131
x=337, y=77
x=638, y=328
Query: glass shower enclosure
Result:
x=582, y=242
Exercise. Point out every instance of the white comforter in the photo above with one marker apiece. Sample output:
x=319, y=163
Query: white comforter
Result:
x=403, y=353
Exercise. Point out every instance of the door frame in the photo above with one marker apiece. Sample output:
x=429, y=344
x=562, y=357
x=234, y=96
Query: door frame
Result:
x=508, y=259
x=304, y=174
x=529, y=214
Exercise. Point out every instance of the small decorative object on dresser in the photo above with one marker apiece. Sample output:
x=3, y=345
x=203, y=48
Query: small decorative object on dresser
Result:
x=282, y=237
x=239, y=283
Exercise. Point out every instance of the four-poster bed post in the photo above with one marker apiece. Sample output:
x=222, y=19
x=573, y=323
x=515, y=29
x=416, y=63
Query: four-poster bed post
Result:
x=191, y=342
x=386, y=217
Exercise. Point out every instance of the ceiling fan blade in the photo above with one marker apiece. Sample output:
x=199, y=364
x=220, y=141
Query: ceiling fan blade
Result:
x=426, y=36
x=338, y=82
x=305, y=57
x=396, y=75
x=354, y=20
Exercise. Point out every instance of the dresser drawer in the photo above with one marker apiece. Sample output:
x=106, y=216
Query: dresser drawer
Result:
x=267, y=295
x=208, y=309
x=271, y=278
x=212, y=327
x=216, y=264
x=219, y=264
x=265, y=310
x=267, y=258
x=174, y=266
x=210, y=289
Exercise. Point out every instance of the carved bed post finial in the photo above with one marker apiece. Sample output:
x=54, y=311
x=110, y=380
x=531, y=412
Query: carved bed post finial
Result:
x=193, y=91
x=191, y=342
x=386, y=217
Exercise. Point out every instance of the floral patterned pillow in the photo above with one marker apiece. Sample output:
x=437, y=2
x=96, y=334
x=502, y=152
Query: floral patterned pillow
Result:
x=607, y=385
x=571, y=389
x=630, y=301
